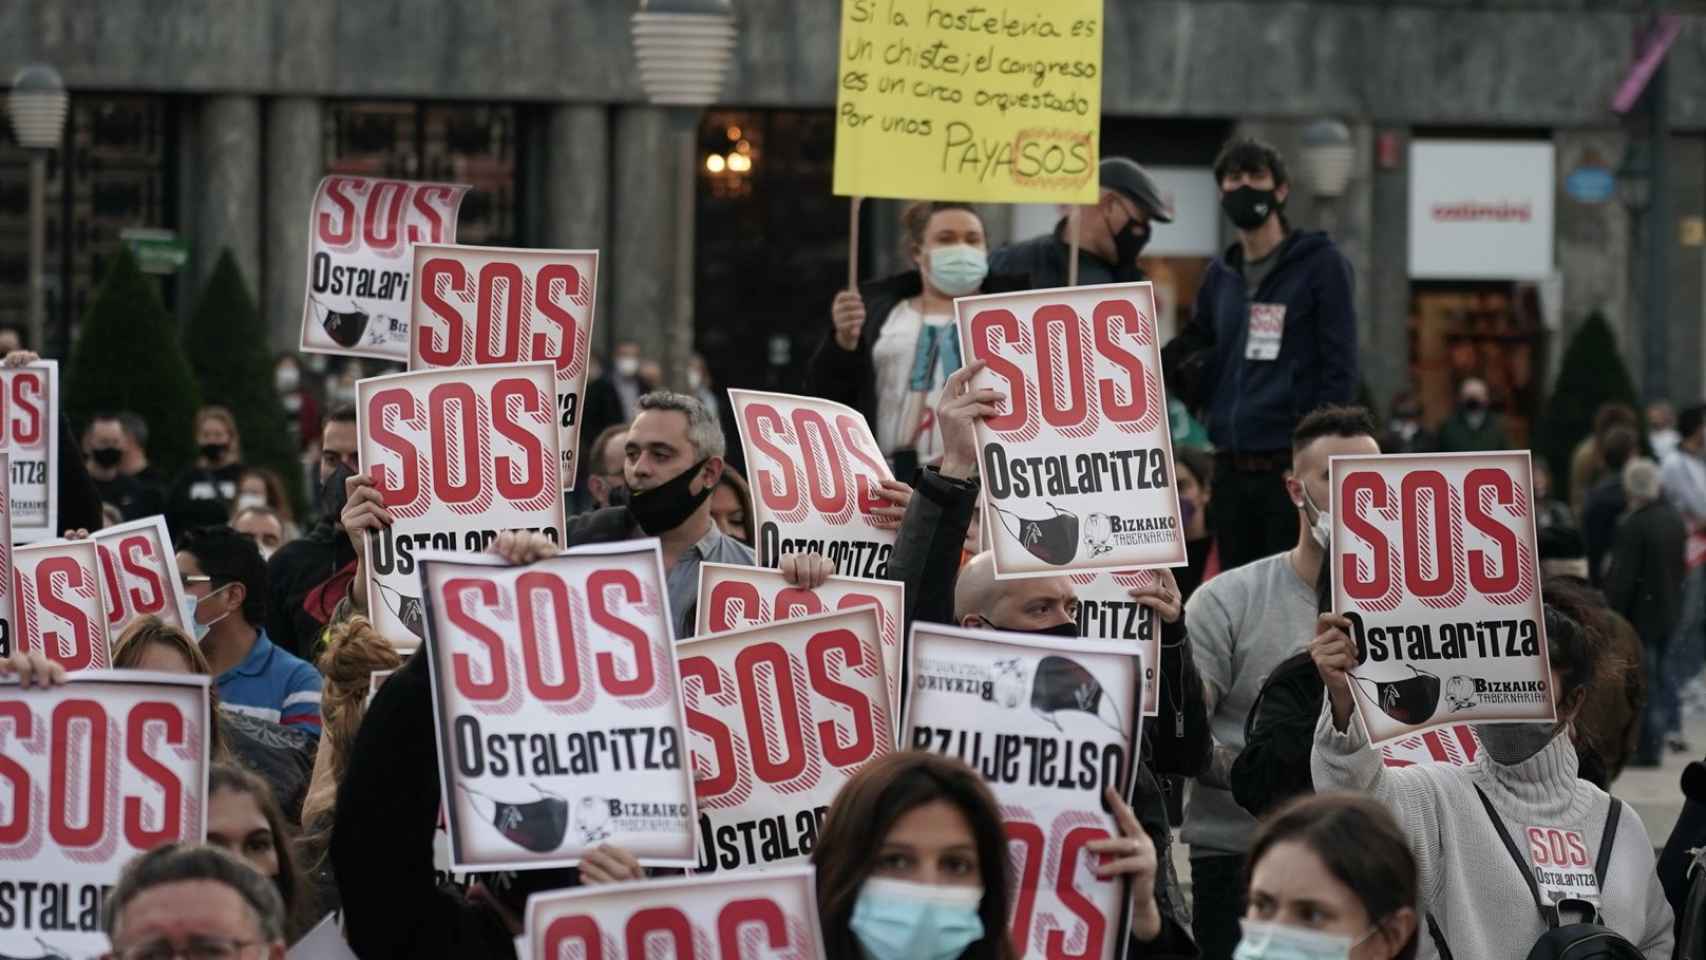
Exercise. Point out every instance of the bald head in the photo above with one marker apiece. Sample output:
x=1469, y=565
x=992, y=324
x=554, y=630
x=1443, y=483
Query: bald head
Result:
x=1031, y=603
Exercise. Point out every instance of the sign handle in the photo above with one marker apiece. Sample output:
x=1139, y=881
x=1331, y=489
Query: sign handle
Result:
x=853, y=243
x=1072, y=248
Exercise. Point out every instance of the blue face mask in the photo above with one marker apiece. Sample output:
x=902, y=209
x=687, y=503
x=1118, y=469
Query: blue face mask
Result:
x=1274, y=941
x=897, y=920
x=959, y=269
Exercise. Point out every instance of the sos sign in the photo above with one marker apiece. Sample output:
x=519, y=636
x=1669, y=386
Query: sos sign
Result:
x=486, y=305
x=29, y=439
x=60, y=606
x=139, y=574
x=383, y=217
x=771, y=914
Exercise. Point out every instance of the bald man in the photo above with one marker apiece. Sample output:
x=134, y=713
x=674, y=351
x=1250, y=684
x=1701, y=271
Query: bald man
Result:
x=926, y=558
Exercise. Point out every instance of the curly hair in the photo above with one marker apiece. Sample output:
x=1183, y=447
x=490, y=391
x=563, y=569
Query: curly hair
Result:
x=353, y=651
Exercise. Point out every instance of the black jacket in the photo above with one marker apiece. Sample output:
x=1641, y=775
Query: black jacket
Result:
x=79, y=501
x=1279, y=735
x=926, y=558
x=1647, y=570
x=294, y=572
x=1605, y=505
x=1044, y=259
x=849, y=376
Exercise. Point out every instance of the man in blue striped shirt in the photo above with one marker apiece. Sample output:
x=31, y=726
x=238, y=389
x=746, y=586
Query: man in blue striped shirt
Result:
x=225, y=581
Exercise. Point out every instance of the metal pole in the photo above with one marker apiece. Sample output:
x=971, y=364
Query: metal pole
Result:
x=38, y=248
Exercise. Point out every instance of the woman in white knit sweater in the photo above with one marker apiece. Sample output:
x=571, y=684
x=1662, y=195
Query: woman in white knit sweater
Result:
x=1470, y=884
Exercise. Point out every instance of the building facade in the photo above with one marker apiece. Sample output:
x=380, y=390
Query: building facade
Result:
x=216, y=119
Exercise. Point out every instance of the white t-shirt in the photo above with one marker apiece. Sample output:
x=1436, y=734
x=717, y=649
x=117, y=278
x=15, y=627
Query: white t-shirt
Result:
x=913, y=355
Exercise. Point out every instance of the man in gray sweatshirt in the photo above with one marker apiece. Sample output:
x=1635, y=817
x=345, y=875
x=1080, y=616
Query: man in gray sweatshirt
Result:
x=1241, y=624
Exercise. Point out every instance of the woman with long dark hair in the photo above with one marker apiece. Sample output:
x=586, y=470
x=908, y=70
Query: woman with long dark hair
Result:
x=244, y=820
x=1331, y=875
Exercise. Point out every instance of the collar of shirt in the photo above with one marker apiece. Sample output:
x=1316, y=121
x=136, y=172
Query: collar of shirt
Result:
x=255, y=664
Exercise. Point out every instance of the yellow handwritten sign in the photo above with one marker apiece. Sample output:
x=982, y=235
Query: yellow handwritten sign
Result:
x=967, y=100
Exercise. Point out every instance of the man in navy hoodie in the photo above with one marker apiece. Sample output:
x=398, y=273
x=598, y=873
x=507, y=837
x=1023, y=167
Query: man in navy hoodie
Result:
x=1273, y=337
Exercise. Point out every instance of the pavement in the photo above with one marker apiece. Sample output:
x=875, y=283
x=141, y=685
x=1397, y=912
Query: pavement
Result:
x=1654, y=793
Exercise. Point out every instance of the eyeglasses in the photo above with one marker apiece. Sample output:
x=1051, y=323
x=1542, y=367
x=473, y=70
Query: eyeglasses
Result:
x=200, y=948
x=189, y=581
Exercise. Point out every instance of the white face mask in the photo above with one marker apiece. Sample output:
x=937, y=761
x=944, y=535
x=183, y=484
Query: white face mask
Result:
x=1273, y=941
x=627, y=366
x=188, y=612
x=1321, y=525
x=286, y=379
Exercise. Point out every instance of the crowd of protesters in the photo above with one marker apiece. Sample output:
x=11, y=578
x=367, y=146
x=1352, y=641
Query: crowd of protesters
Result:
x=324, y=793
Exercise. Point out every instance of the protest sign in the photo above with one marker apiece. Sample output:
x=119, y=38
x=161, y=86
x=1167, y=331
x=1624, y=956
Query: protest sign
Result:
x=59, y=606
x=1106, y=611
x=485, y=305
x=1434, y=564
x=733, y=596
x=781, y=715
x=958, y=100
x=29, y=437
x=360, y=269
x=1078, y=467
x=1454, y=746
x=139, y=575
x=8, y=622
x=103, y=768
x=558, y=709
x=815, y=471
x=771, y=914
x=1049, y=724
x=459, y=456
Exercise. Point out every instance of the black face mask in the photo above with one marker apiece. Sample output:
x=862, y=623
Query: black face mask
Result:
x=1247, y=207
x=405, y=608
x=1053, y=540
x=1474, y=406
x=334, y=496
x=669, y=504
x=1410, y=701
x=1129, y=243
x=345, y=328
x=1062, y=683
x=106, y=457
x=1069, y=629
x=538, y=825
x=213, y=451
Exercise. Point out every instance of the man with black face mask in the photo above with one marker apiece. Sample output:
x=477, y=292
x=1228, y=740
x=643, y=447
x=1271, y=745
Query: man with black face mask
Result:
x=105, y=446
x=1272, y=337
x=1111, y=233
x=310, y=575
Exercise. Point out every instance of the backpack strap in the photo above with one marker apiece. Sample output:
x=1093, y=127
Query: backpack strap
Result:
x=1438, y=936
x=1550, y=917
x=1607, y=838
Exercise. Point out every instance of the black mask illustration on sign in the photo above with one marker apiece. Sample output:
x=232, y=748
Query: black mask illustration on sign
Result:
x=538, y=825
x=1411, y=700
x=1062, y=683
x=1053, y=540
x=344, y=327
x=405, y=608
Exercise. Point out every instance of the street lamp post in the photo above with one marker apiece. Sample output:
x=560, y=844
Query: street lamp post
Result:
x=683, y=49
x=1329, y=156
x=37, y=105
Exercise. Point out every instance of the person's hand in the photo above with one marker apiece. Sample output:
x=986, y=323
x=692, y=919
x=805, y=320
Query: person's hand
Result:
x=609, y=864
x=521, y=547
x=1161, y=595
x=1132, y=854
x=847, y=314
x=77, y=534
x=957, y=414
x=1335, y=654
x=19, y=358
x=32, y=669
x=889, y=516
x=807, y=571
x=364, y=511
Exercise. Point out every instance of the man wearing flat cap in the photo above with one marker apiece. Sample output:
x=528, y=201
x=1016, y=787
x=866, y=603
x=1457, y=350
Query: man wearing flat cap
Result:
x=1111, y=234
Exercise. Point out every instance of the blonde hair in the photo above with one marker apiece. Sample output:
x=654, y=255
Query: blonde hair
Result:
x=353, y=651
x=216, y=412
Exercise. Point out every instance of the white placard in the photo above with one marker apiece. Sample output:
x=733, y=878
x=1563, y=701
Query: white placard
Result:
x=1481, y=209
x=139, y=574
x=29, y=436
x=61, y=608
x=1106, y=611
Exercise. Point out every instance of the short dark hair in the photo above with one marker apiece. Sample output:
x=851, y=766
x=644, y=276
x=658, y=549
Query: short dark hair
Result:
x=226, y=556
x=177, y=863
x=1617, y=446
x=1577, y=634
x=134, y=425
x=1560, y=543
x=915, y=221
x=342, y=413
x=595, y=453
x=1332, y=421
x=1198, y=462
x=1358, y=842
x=1252, y=156
x=1689, y=421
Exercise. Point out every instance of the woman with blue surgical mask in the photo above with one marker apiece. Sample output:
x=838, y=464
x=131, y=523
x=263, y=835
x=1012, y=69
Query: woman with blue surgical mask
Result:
x=912, y=864
x=1331, y=878
x=892, y=343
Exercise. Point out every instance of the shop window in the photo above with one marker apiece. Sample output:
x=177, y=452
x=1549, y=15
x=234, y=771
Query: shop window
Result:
x=1491, y=331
